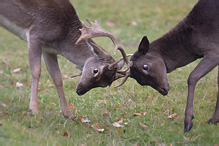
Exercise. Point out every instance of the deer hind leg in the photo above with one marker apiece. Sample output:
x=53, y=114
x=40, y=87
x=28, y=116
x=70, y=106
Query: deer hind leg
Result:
x=55, y=73
x=215, y=117
x=206, y=65
x=34, y=52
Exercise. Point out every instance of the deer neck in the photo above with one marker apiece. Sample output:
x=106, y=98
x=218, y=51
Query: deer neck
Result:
x=176, y=47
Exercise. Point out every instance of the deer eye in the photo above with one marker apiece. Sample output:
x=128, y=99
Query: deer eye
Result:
x=95, y=71
x=145, y=67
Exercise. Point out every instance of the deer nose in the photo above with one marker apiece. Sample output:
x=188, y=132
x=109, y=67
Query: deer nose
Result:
x=80, y=90
x=163, y=91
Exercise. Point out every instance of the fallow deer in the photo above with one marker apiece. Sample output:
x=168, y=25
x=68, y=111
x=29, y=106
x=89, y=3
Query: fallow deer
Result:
x=196, y=36
x=51, y=27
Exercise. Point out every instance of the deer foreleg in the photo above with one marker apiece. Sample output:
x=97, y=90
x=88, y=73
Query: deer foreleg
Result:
x=34, y=52
x=55, y=73
x=205, y=66
x=215, y=117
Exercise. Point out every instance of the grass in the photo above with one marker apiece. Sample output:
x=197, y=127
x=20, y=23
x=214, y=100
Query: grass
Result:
x=49, y=127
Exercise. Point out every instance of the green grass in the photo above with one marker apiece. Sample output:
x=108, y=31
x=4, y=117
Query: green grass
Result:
x=153, y=18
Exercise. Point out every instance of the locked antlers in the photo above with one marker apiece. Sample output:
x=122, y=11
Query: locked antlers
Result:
x=95, y=30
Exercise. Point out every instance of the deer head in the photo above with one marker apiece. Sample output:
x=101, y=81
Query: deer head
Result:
x=148, y=68
x=101, y=70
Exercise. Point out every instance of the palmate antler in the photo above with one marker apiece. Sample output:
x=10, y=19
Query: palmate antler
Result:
x=95, y=30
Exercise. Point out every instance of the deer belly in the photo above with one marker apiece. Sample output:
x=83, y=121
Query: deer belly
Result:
x=13, y=28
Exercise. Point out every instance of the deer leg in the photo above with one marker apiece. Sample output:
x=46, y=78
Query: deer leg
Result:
x=34, y=53
x=215, y=117
x=55, y=73
x=205, y=66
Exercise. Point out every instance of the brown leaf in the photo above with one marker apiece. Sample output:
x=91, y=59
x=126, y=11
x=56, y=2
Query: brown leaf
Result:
x=142, y=125
x=102, y=101
x=40, y=118
x=70, y=106
x=24, y=112
x=173, y=116
x=136, y=114
x=66, y=135
x=52, y=103
x=45, y=90
x=205, y=122
x=166, y=112
x=124, y=114
x=28, y=83
x=119, y=131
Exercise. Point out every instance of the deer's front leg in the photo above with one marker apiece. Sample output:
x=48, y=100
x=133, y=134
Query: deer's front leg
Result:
x=54, y=71
x=205, y=66
x=215, y=118
x=34, y=52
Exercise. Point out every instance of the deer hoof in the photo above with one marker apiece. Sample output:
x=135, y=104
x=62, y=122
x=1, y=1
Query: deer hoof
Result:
x=213, y=121
x=187, y=127
x=33, y=111
x=188, y=124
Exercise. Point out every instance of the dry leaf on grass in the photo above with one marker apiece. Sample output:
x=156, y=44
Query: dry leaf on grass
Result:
x=70, y=106
x=118, y=123
x=16, y=70
x=19, y=84
x=4, y=105
x=173, y=116
x=52, y=103
x=139, y=114
x=142, y=125
x=102, y=101
x=83, y=120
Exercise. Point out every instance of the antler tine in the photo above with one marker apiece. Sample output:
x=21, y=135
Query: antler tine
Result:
x=76, y=75
x=124, y=80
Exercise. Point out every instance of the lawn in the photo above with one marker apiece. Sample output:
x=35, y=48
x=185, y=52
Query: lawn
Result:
x=130, y=114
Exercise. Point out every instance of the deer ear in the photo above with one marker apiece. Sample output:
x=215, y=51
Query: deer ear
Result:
x=143, y=46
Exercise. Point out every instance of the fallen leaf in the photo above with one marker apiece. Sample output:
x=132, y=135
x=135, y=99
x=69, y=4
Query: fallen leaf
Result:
x=119, y=131
x=5, y=117
x=117, y=125
x=173, y=116
x=65, y=76
x=134, y=23
x=70, y=106
x=24, y=112
x=142, y=125
x=4, y=105
x=52, y=103
x=28, y=83
x=45, y=90
x=120, y=121
x=16, y=70
x=85, y=120
x=50, y=85
x=166, y=112
x=96, y=127
x=124, y=114
x=50, y=109
x=136, y=114
x=19, y=84
x=89, y=135
x=40, y=118
x=205, y=122
x=66, y=135
x=102, y=101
